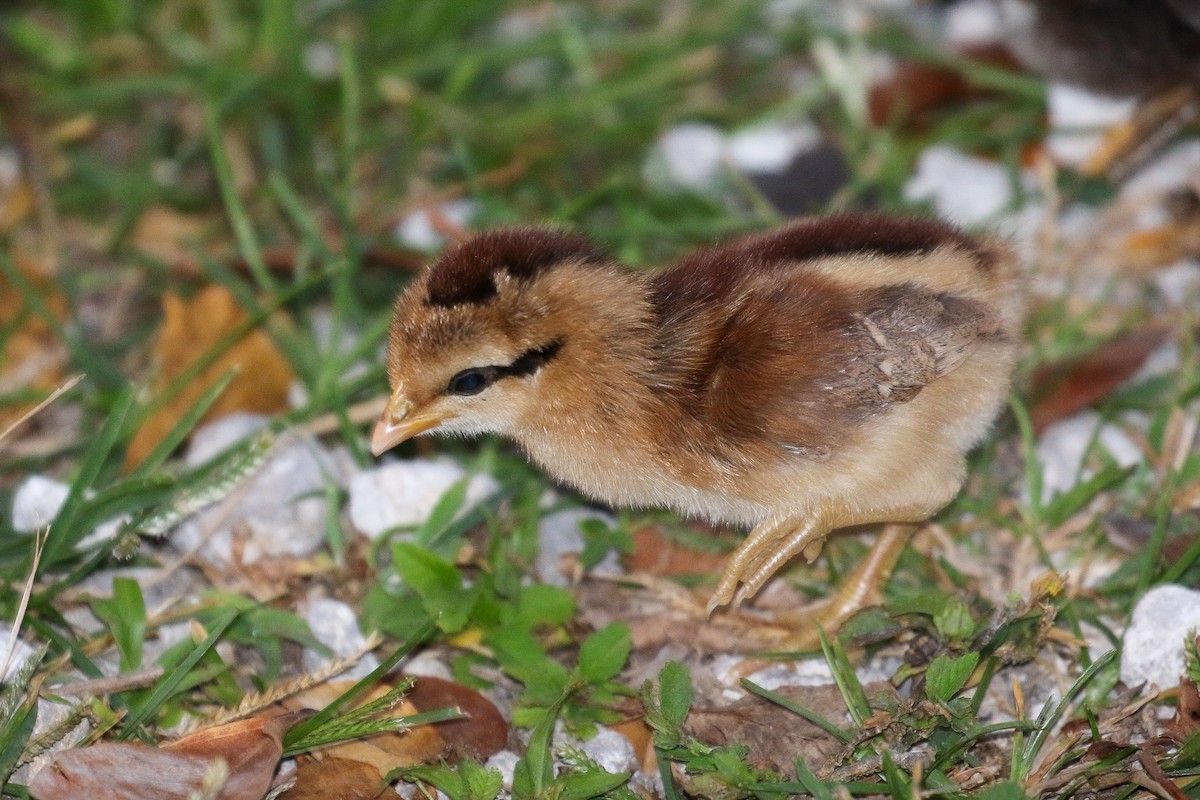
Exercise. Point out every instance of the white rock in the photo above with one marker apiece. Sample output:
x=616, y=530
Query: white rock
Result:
x=335, y=625
x=506, y=763
x=611, y=751
x=1063, y=445
x=416, y=229
x=279, y=510
x=1153, y=649
x=963, y=188
x=1179, y=284
x=688, y=157
x=1164, y=360
x=771, y=146
x=219, y=435
x=559, y=536
x=321, y=60
x=410, y=791
x=403, y=493
x=973, y=22
x=429, y=666
x=1174, y=168
x=816, y=672
x=1078, y=119
x=36, y=502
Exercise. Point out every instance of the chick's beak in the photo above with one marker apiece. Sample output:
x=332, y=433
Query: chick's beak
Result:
x=401, y=420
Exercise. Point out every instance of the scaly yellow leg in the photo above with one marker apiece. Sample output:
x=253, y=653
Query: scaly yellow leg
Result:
x=865, y=585
x=768, y=547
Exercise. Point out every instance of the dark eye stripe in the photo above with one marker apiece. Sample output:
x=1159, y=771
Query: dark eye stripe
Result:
x=475, y=379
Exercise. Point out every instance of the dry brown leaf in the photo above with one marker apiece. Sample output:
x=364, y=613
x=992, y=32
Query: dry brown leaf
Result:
x=356, y=769
x=336, y=779
x=641, y=737
x=1186, y=721
x=774, y=735
x=481, y=734
x=1063, y=388
x=385, y=751
x=168, y=235
x=916, y=88
x=656, y=554
x=32, y=357
x=110, y=771
x=16, y=203
x=190, y=329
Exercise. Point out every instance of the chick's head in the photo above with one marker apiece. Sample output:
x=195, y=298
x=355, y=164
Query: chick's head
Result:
x=472, y=335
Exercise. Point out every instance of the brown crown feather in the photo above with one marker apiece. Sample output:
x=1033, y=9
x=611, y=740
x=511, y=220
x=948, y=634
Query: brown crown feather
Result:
x=465, y=273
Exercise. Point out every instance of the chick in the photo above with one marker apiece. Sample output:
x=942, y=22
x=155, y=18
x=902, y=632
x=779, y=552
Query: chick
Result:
x=1119, y=47
x=833, y=372
x=1149, y=49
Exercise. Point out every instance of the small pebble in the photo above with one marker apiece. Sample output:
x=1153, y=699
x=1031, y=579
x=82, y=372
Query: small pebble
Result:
x=770, y=147
x=403, y=493
x=321, y=60
x=1078, y=119
x=973, y=22
x=417, y=230
x=1176, y=167
x=816, y=672
x=1179, y=284
x=279, y=510
x=963, y=189
x=559, y=537
x=20, y=652
x=36, y=502
x=335, y=625
x=687, y=157
x=612, y=751
x=1153, y=646
x=505, y=762
x=427, y=665
x=1063, y=446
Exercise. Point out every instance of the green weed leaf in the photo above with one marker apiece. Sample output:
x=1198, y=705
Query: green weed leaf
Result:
x=604, y=653
x=125, y=615
x=438, y=583
x=675, y=694
x=947, y=676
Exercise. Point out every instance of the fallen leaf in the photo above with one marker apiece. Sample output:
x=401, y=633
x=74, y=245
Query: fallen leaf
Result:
x=32, y=358
x=336, y=779
x=168, y=235
x=189, y=330
x=384, y=751
x=481, y=734
x=356, y=769
x=1065, y=387
x=250, y=750
x=641, y=737
x=16, y=203
x=656, y=554
x=774, y=735
x=917, y=87
x=1186, y=722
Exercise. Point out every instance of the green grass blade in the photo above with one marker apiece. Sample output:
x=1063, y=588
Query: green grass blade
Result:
x=167, y=684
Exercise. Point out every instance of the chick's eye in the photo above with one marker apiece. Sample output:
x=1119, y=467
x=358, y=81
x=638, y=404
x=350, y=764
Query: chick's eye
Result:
x=469, y=381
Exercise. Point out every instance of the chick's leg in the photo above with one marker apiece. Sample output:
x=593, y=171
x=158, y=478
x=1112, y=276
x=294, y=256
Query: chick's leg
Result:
x=864, y=587
x=770, y=545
